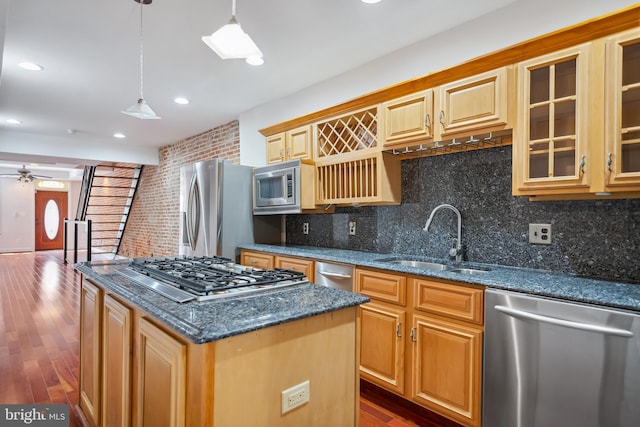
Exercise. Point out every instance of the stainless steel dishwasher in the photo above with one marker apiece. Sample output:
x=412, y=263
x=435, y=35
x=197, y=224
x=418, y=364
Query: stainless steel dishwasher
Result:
x=334, y=275
x=551, y=363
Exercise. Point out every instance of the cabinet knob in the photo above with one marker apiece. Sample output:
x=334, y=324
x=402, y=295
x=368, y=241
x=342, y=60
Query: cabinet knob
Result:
x=398, y=331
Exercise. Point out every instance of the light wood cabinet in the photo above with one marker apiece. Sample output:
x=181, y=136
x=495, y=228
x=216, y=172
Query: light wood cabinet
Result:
x=447, y=367
x=116, y=363
x=623, y=110
x=303, y=265
x=90, y=381
x=382, y=345
x=435, y=360
x=571, y=141
x=257, y=259
x=293, y=144
x=161, y=378
x=481, y=103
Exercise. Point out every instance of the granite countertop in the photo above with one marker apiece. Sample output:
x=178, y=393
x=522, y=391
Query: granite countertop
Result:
x=206, y=321
x=537, y=282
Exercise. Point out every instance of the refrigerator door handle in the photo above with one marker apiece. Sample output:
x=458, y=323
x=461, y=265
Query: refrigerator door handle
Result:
x=561, y=322
x=193, y=203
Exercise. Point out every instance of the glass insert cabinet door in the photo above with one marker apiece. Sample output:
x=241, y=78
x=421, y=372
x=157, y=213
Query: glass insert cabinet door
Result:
x=551, y=141
x=623, y=109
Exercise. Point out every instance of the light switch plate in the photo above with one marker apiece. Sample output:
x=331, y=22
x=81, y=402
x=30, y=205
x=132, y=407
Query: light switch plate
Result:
x=540, y=234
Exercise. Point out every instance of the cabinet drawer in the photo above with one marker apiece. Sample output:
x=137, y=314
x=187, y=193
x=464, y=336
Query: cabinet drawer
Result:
x=302, y=265
x=455, y=301
x=382, y=286
x=257, y=260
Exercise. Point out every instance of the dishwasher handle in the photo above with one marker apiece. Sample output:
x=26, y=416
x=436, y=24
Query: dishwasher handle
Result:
x=561, y=322
x=336, y=275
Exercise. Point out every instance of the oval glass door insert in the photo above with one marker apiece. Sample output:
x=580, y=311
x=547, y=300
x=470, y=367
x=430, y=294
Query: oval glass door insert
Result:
x=51, y=219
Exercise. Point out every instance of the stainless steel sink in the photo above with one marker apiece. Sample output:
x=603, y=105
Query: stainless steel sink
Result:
x=435, y=266
x=469, y=270
x=420, y=264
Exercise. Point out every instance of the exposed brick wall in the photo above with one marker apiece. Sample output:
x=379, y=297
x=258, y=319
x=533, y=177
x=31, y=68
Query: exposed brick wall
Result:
x=153, y=228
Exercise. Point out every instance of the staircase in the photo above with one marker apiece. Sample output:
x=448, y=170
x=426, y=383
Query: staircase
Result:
x=105, y=199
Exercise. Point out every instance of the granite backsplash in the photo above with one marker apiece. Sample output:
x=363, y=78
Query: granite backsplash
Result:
x=599, y=239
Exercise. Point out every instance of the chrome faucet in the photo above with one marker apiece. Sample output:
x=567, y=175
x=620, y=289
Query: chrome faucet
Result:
x=456, y=249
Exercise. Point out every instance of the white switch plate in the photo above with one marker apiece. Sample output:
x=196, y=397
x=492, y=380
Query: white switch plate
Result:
x=352, y=228
x=540, y=234
x=305, y=228
x=295, y=396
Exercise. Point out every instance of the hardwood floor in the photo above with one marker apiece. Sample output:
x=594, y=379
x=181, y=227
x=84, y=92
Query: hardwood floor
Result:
x=40, y=303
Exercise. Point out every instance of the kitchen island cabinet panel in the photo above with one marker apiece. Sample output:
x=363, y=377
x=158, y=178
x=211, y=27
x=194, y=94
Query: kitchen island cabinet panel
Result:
x=116, y=363
x=90, y=352
x=248, y=384
x=160, y=399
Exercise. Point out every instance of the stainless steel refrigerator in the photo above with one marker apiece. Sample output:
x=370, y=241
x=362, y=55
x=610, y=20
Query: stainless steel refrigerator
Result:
x=215, y=208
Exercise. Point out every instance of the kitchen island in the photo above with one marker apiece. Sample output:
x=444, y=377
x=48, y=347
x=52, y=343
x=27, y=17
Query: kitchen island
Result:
x=146, y=360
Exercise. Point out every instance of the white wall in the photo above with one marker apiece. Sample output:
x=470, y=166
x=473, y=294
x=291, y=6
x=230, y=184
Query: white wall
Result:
x=517, y=22
x=17, y=216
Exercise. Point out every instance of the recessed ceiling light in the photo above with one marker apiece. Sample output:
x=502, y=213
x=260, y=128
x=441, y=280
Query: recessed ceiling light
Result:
x=180, y=100
x=254, y=60
x=31, y=66
x=371, y=1
x=118, y=135
x=14, y=121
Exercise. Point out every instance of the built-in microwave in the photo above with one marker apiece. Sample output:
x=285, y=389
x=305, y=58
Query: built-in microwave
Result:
x=283, y=188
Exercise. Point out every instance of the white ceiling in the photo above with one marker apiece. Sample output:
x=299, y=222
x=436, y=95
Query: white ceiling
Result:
x=90, y=51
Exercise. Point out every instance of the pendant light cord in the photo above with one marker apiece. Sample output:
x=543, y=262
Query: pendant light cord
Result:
x=141, y=53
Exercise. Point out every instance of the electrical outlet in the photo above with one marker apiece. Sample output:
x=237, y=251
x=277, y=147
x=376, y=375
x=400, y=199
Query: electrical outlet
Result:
x=295, y=396
x=352, y=228
x=305, y=228
x=540, y=234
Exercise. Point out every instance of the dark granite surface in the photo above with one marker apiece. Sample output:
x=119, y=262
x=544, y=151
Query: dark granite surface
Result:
x=538, y=282
x=206, y=321
x=592, y=238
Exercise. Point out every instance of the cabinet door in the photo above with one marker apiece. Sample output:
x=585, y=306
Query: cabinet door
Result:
x=299, y=143
x=257, y=260
x=302, y=265
x=116, y=364
x=476, y=103
x=447, y=368
x=90, y=351
x=275, y=148
x=161, y=374
x=549, y=150
x=408, y=119
x=623, y=109
x=382, y=342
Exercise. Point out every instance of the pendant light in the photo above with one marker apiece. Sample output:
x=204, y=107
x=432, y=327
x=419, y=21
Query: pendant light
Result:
x=141, y=109
x=231, y=42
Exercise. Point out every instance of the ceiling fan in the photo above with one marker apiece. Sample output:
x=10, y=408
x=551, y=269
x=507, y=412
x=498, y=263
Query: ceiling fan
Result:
x=24, y=175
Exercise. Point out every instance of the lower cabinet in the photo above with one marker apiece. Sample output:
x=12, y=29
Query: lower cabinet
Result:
x=436, y=359
x=112, y=337
x=161, y=378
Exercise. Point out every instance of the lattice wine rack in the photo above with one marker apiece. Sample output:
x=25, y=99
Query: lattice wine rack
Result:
x=354, y=132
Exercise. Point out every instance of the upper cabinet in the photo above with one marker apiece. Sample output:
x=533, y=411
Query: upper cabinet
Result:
x=623, y=110
x=550, y=149
x=355, y=132
x=482, y=103
x=293, y=144
x=578, y=123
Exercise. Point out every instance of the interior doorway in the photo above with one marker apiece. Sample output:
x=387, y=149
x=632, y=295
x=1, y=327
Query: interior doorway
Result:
x=51, y=209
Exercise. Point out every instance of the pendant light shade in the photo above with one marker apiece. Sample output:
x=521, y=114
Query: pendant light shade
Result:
x=231, y=42
x=141, y=109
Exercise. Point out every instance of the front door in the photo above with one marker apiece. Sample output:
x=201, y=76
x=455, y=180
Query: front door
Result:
x=51, y=209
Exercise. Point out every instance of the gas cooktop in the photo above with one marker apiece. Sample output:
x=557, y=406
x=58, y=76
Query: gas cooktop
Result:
x=188, y=278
